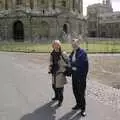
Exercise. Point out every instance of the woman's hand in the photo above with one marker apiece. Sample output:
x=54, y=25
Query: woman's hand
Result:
x=49, y=69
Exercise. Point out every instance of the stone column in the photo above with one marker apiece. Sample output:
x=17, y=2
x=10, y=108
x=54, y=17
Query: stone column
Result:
x=78, y=6
x=50, y=3
x=6, y=4
x=35, y=4
x=3, y=4
x=81, y=7
x=47, y=3
x=53, y=2
x=74, y=4
x=13, y=4
x=6, y=29
x=67, y=2
x=27, y=3
x=71, y=4
x=10, y=4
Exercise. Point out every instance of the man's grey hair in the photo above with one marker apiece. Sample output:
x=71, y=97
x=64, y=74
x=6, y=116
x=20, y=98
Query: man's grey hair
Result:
x=80, y=37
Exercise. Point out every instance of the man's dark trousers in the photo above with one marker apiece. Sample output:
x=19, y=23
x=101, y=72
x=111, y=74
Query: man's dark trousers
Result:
x=79, y=87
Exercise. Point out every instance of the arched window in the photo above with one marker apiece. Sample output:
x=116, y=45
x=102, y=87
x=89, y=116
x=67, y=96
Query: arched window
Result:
x=18, y=31
x=63, y=2
x=18, y=2
x=65, y=28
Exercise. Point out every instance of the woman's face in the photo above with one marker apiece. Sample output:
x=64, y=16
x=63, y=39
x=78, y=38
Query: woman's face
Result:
x=56, y=47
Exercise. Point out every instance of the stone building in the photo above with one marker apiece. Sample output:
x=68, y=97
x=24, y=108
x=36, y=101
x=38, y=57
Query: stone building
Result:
x=36, y=20
x=95, y=13
x=109, y=25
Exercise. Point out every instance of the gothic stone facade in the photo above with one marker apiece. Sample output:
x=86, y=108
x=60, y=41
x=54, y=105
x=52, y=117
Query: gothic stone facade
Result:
x=95, y=15
x=109, y=25
x=31, y=20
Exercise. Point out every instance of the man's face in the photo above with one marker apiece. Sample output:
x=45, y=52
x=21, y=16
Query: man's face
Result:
x=75, y=44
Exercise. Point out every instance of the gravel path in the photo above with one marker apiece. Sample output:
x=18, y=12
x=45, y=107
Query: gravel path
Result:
x=105, y=94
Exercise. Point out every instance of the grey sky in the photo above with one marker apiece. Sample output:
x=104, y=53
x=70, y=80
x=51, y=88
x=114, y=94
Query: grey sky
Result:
x=115, y=4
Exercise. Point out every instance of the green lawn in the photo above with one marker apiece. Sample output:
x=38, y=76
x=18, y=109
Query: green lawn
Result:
x=45, y=48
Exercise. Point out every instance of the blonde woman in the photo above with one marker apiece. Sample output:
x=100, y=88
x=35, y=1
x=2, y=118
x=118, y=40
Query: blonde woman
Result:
x=57, y=69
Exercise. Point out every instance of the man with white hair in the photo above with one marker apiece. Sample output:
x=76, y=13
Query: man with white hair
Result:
x=79, y=64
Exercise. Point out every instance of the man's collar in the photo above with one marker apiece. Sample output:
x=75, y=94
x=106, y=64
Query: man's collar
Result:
x=77, y=49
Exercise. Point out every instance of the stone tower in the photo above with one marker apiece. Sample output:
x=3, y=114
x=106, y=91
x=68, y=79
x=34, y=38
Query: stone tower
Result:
x=104, y=2
x=108, y=3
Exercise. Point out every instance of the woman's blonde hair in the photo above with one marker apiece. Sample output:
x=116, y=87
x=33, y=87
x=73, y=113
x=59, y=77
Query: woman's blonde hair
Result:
x=56, y=42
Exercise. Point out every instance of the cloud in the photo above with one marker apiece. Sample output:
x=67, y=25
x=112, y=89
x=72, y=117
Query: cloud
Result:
x=115, y=0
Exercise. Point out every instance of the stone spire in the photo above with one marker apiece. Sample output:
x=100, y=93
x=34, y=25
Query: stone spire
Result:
x=104, y=2
x=108, y=3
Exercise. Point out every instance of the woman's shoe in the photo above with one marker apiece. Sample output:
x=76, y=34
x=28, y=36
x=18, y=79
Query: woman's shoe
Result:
x=54, y=99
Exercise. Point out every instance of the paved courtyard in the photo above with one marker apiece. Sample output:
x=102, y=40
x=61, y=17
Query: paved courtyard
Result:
x=25, y=92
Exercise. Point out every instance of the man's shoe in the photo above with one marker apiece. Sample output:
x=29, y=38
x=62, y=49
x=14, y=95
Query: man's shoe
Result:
x=59, y=104
x=83, y=113
x=76, y=107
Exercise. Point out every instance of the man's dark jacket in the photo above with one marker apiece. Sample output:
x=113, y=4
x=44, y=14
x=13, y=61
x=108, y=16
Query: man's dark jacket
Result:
x=81, y=62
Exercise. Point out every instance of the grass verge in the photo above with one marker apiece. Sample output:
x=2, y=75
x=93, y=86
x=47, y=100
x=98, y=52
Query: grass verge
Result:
x=45, y=48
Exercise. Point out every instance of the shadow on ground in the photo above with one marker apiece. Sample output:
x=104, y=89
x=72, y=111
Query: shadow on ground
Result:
x=48, y=112
x=73, y=115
